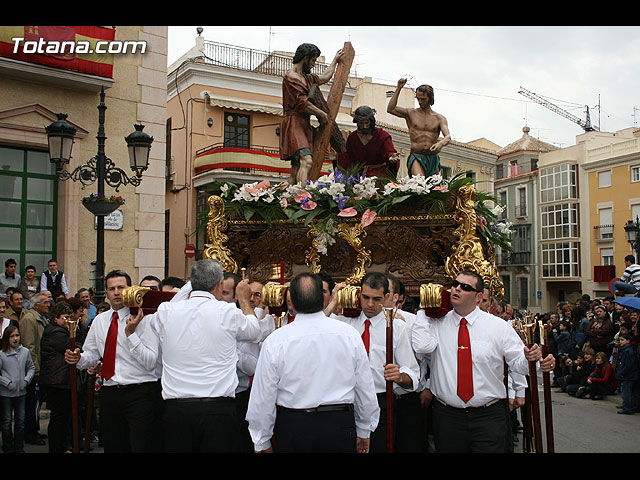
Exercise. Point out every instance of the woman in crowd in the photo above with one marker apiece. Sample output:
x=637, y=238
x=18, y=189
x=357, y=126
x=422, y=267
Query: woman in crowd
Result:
x=602, y=380
x=54, y=376
x=600, y=331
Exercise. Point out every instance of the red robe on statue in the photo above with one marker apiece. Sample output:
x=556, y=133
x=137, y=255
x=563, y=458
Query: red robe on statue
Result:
x=374, y=156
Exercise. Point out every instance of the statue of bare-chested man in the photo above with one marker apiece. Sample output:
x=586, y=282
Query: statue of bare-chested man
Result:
x=425, y=127
x=296, y=137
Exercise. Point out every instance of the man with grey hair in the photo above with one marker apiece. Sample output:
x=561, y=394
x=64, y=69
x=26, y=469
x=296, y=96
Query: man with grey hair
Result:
x=198, y=335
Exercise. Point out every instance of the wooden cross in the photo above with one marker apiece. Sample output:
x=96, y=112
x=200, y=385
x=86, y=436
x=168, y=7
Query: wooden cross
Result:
x=323, y=133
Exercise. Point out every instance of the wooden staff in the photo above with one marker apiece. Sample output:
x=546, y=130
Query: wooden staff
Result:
x=71, y=325
x=526, y=419
x=535, y=401
x=389, y=314
x=546, y=379
x=87, y=428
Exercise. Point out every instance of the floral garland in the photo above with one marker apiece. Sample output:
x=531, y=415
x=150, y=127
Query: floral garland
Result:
x=341, y=194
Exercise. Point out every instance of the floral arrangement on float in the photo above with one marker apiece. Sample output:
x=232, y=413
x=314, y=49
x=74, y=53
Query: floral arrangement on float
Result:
x=343, y=194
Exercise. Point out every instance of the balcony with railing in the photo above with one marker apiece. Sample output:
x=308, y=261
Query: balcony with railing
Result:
x=603, y=233
x=251, y=60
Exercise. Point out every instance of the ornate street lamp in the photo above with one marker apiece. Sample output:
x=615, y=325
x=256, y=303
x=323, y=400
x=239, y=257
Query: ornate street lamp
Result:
x=632, y=230
x=60, y=135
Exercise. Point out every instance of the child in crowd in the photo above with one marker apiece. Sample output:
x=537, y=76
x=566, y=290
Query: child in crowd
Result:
x=628, y=374
x=16, y=372
x=602, y=380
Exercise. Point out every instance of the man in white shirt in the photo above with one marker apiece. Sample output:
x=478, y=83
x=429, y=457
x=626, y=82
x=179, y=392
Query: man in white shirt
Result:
x=198, y=337
x=127, y=400
x=468, y=349
x=314, y=376
x=404, y=372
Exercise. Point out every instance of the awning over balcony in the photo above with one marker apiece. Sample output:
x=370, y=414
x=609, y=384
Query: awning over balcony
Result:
x=236, y=158
x=244, y=104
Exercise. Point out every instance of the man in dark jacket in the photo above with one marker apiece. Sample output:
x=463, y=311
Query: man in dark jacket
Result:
x=628, y=373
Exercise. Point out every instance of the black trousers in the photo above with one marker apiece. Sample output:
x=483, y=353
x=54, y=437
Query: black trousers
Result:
x=411, y=424
x=59, y=403
x=378, y=443
x=322, y=431
x=242, y=404
x=473, y=430
x=127, y=418
x=201, y=425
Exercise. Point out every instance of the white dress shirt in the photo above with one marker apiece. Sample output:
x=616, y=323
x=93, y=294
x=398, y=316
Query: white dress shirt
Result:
x=199, y=338
x=423, y=359
x=131, y=366
x=403, y=355
x=313, y=361
x=493, y=341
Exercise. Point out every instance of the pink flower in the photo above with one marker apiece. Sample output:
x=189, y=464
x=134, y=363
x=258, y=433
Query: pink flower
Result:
x=309, y=205
x=440, y=188
x=348, y=212
x=252, y=191
x=283, y=202
x=368, y=217
x=301, y=195
x=263, y=185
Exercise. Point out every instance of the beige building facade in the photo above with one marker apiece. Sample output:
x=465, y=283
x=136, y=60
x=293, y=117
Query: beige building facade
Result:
x=43, y=216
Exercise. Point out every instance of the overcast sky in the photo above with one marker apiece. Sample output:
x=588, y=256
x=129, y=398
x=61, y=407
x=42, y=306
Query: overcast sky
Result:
x=477, y=71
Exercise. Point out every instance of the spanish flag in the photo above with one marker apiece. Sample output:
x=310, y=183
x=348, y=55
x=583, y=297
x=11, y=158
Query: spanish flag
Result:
x=91, y=62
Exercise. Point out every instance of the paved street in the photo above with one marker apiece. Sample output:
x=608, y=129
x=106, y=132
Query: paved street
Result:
x=590, y=426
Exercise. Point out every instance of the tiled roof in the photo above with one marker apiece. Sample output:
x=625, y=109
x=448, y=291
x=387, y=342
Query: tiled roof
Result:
x=527, y=143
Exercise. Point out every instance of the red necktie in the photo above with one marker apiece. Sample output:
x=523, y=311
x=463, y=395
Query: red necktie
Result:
x=109, y=356
x=365, y=335
x=465, y=374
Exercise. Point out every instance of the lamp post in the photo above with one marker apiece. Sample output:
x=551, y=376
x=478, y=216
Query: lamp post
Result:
x=60, y=135
x=632, y=230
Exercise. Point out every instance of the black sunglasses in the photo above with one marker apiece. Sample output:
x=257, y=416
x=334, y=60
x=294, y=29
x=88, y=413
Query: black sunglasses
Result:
x=464, y=286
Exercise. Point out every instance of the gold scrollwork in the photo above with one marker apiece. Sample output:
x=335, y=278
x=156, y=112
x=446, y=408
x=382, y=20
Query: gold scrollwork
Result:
x=468, y=253
x=354, y=234
x=216, y=226
x=133, y=296
x=312, y=257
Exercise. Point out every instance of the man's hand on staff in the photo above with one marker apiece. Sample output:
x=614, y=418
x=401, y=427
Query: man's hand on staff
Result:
x=534, y=354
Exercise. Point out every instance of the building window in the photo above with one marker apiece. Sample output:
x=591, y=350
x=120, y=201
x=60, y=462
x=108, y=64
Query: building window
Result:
x=521, y=245
x=604, y=179
x=561, y=259
x=558, y=183
x=506, y=282
x=28, y=194
x=524, y=292
x=499, y=171
x=445, y=172
x=236, y=130
x=635, y=174
x=521, y=209
x=606, y=223
x=606, y=256
x=559, y=221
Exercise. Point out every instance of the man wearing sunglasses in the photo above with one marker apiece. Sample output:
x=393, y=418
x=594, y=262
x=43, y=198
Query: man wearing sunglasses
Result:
x=468, y=348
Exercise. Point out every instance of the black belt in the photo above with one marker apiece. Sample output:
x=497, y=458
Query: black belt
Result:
x=338, y=407
x=201, y=400
x=128, y=385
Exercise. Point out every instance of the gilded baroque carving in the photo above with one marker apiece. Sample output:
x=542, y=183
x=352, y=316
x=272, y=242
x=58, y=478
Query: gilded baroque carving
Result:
x=216, y=226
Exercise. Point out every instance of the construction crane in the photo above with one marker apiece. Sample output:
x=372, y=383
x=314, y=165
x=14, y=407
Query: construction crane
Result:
x=585, y=124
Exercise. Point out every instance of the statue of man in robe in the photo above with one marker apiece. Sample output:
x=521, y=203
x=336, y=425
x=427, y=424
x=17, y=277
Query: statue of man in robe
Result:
x=296, y=133
x=368, y=146
x=425, y=126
